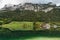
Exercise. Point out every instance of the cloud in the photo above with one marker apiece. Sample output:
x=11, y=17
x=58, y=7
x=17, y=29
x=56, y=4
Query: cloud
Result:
x=3, y=2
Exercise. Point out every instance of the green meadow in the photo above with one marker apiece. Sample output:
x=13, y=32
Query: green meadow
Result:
x=15, y=25
x=20, y=25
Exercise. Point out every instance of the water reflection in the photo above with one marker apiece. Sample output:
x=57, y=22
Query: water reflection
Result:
x=30, y=35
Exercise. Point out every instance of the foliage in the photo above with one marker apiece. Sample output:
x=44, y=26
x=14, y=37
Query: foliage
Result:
x=26, y=15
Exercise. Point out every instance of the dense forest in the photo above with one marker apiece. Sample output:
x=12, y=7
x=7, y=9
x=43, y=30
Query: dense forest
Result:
x=26, y=15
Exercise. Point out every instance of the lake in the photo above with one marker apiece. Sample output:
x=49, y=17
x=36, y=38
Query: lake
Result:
x=30, y=35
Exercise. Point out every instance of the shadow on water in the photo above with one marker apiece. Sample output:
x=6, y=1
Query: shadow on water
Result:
x=21, y=35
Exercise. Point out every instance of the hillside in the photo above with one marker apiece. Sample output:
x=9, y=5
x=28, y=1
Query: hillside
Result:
x=30, y=12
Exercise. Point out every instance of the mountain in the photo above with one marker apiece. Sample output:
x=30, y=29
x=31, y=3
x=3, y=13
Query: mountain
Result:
x=31, y=12
x=30, y=6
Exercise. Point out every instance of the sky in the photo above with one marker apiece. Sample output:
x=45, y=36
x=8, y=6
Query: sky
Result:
x=4, y=2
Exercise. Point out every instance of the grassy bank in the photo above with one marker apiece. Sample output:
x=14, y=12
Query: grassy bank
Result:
x=20, y=25
x=15, y=25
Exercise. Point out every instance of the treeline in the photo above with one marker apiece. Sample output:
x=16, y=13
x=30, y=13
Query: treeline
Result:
x=27, y=15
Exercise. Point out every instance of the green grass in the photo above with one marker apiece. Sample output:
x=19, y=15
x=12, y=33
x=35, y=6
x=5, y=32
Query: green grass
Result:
x=22, y=25
x=19, y=25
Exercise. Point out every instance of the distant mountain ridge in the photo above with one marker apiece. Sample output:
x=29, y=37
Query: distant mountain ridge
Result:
x=31, y=6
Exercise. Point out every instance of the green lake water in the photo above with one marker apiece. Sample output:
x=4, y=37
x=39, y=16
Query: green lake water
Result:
x=31, y=36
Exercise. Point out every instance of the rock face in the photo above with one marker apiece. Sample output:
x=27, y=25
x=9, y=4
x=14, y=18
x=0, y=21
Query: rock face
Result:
x=30, y=6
